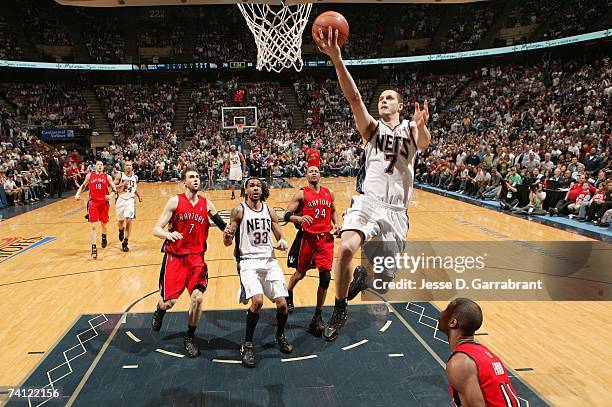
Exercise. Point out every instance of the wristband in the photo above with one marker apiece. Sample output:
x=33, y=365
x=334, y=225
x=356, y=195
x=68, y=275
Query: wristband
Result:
x=287, y=216
x=282, y=241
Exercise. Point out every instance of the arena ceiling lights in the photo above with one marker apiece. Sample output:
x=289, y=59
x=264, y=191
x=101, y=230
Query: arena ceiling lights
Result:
x=155, y=3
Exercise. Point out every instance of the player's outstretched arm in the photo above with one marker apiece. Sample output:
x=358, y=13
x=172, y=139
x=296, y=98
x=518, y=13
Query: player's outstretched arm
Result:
x=214, y=216
x=462, y=375
x=276, y=229
x=363, y=120
x=293, y=206
x=77, y=196
x=232, y=227
x=158, y=230
x=422, y=137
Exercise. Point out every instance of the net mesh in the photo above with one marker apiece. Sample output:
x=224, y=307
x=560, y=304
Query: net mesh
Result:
x=278, y=34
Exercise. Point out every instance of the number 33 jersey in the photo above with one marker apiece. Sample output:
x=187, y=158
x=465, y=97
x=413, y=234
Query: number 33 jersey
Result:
x=254, y=238
x=191, y=221
x=387, y=171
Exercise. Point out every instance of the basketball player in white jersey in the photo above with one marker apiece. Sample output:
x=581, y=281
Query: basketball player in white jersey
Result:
x=385, y=181
x=127, y=183
x=253, y=223
x=237, y=168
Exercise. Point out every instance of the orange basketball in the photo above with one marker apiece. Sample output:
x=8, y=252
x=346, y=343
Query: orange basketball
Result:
x=336, y=21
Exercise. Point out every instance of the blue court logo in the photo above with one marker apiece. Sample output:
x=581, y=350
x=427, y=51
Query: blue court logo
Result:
x=13, y=246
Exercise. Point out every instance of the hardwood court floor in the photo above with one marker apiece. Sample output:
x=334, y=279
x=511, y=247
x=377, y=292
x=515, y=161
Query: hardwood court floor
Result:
x=43, y=290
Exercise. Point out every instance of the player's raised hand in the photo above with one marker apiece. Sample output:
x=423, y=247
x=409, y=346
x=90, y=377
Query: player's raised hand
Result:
x=328, y=45
x=421, y=117
x=174, y=236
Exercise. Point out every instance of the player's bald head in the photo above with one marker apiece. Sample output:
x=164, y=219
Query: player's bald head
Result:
x=462, y=315
x=468, y=314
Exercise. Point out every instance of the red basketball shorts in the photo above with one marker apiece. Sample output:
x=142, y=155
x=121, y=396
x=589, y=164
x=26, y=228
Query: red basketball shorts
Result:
x=316, y=251
x=180, y=272
x=98, y=211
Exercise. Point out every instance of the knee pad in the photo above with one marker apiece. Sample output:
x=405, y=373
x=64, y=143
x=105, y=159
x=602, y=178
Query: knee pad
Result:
x=324, y=279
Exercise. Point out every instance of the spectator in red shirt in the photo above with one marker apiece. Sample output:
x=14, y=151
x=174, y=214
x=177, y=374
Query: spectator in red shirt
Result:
x=575, y=190
x=314, y=157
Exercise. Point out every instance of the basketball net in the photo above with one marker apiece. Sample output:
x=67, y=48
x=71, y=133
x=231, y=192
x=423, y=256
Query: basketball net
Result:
x=278, y=34
x=239, y=128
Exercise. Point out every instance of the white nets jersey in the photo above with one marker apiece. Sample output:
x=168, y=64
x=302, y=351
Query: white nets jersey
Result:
x=387, y=168
x=255, y=234
x=234, y=160
x=130, y=188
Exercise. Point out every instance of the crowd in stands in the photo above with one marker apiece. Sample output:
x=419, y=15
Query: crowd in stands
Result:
x=469, y=24
x=218, y=43
x=417, y=21
x=48, y=105
x=162, y=35
x=322, y=102
x=138, y=110
x=525, y=133
x=530, y=12
x=104, y=39
x=42, y=23
x=8, y=46
x=368, y=25
x=577, y=17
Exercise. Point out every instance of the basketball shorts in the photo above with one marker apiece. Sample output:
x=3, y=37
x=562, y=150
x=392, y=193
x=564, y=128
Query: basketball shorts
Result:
x=125, y=208
x=316, y=251
x=235, y=174
x=261, y=276
x=383, y=226
x=98, y=211
x=180, y=272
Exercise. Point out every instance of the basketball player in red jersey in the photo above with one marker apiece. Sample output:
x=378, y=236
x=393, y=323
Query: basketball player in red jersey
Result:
x=477, y=377
x=99, y=198
x=313, y=157
x=183, y=265
x=315, y=242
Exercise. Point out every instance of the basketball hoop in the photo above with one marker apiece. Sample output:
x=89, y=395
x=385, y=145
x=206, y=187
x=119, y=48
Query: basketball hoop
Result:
x=239, y=128
x=278, y=34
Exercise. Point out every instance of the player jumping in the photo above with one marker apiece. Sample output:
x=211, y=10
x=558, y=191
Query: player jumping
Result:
x=384, y=182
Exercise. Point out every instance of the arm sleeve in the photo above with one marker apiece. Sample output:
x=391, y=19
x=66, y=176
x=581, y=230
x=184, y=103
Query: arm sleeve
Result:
x=218, y=221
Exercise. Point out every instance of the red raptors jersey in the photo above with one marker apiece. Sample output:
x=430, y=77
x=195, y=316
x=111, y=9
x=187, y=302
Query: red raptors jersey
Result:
x=192, y=222
x=492, y=376
x=319, y=207
x=314, y=158
x=98, y=186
